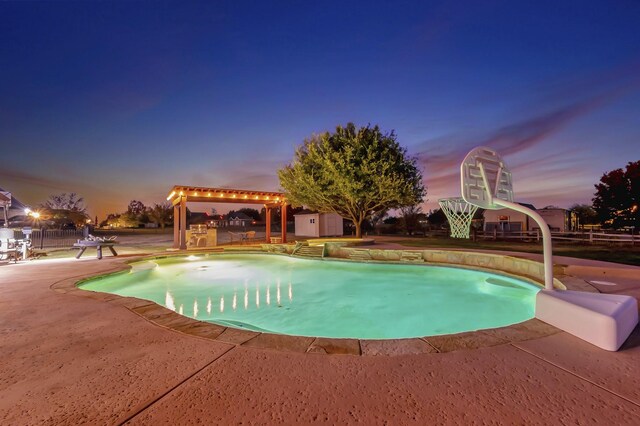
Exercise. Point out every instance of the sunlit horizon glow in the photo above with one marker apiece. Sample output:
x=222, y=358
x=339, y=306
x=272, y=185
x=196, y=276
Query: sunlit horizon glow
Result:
x=122, y=100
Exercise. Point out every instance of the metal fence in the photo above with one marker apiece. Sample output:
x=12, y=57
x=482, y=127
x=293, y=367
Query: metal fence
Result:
x=52, y=238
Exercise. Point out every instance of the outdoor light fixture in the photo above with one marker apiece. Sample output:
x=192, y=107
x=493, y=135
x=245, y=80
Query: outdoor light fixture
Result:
x=29, y=212
x=195, y=194
x=171, y=195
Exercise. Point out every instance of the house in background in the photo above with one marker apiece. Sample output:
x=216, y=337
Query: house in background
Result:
x=313, y=224
x=558, y=219
x=239, y=219
x=217, y=221
x=507, y=220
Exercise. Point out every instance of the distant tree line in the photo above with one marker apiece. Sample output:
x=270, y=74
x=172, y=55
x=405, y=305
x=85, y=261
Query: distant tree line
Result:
x=616, y=202
x=138, y=215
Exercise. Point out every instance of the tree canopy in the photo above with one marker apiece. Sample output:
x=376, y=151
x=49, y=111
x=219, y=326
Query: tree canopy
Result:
x=136, y=207
x=252, y=213
x=64, y=201
x=162, y=213
x=617, y=197
x=353, y=172
x=64, y=209
x=586, y=214
x=410, y=217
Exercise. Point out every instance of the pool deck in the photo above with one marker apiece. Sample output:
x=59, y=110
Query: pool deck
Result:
x=71, y=358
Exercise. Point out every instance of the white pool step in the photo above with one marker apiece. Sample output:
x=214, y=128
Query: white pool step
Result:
x=605, y=320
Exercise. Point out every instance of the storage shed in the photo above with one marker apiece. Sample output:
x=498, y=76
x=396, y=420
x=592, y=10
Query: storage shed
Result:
x=559, y=219
x=314, y=224
x=507, y=220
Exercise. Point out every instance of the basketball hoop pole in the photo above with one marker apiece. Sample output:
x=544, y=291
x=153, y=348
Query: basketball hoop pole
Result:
x=546, y=237
x=477, y=173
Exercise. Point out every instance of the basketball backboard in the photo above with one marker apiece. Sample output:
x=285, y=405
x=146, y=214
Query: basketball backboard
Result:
x=484, y=176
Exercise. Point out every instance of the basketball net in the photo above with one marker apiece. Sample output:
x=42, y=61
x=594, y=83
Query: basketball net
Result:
x=459, y=214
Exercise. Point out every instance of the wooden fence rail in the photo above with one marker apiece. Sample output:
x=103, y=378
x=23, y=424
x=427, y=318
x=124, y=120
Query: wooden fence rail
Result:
x=585, y=237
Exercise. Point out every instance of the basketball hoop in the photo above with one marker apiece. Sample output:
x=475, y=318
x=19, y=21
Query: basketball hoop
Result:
x=486, y=183
x=459, y=214
x=606, y=320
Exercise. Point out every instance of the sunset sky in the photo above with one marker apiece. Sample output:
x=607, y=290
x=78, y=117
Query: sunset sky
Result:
x=121, y=100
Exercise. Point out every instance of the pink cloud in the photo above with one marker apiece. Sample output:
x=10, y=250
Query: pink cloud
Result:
x=441, y=158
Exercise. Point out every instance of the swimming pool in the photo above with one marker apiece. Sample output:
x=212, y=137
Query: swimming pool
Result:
x=325, y=298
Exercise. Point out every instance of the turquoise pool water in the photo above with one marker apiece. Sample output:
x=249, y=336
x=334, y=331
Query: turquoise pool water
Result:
x=325, y=298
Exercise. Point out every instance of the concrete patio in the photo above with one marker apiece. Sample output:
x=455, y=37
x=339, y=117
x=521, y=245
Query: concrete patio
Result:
x=73, y=357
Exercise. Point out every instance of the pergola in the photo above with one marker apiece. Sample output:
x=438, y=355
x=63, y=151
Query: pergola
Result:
x=180, y=195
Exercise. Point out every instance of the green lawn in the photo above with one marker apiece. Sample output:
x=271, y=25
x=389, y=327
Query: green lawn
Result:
x=626, y=254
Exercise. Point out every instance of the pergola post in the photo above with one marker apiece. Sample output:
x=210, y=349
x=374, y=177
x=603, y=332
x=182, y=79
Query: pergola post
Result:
x=283, y=215
x=268, y=224
x=183, y=223
x=176, y=226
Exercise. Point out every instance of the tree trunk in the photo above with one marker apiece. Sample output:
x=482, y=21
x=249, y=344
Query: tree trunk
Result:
x=358, y=225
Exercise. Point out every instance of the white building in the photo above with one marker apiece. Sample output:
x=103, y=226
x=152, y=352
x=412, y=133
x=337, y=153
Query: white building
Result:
x=314, y=224
x=559, y=220
x=507, y=220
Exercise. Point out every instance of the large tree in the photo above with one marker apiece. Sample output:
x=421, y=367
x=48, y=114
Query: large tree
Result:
x=136, y=208
x=410, y=218
x=617, y=196
x=161, y=213
x=64, y=209
x=353, y=172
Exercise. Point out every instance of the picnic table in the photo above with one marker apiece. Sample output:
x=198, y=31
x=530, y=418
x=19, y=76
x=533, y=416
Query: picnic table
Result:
x=85, y=244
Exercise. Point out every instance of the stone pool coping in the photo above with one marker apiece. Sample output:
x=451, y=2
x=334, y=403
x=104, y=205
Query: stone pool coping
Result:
x=166, y=318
